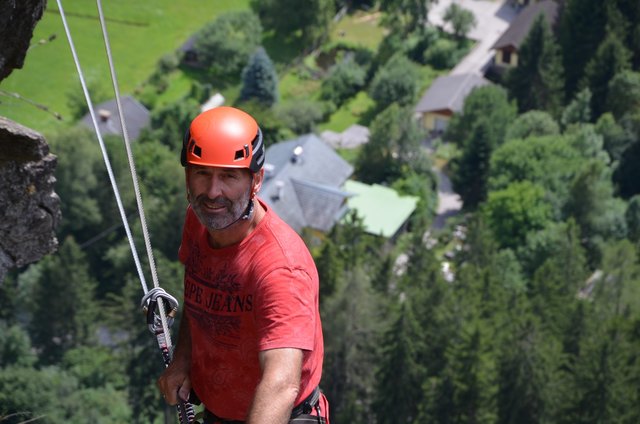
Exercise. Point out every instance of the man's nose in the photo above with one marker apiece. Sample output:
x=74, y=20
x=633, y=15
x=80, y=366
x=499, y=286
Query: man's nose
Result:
x=215, y=187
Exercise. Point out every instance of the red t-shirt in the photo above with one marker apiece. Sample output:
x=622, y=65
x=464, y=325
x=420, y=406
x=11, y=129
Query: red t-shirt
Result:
x=257, y=295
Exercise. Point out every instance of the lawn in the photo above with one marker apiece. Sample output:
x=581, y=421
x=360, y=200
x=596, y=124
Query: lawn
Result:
x=359, y=29
x=139, y=32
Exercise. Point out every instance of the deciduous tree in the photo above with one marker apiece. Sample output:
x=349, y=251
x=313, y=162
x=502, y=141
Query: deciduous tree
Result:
x=224, y=45
x=515, y=211
x=394, y=142
x=286, y=17
x=396, y=82
x=461, y=20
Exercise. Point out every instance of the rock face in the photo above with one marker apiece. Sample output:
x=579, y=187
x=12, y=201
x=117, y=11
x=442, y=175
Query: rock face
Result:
x=29, y=208
x=17, y=20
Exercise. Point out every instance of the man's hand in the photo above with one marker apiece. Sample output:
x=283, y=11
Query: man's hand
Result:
x=174, y=383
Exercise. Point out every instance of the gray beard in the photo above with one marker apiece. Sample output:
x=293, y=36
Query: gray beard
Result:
x=216, y=222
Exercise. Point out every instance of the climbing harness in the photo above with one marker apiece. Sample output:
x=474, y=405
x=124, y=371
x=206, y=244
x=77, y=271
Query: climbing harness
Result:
x=153, y=300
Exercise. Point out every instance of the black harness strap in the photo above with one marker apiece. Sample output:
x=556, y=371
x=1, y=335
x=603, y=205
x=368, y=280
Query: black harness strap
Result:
x=299, y=415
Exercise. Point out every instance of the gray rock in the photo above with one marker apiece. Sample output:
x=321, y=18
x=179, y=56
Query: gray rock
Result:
x=17, y=20
x=30, y=209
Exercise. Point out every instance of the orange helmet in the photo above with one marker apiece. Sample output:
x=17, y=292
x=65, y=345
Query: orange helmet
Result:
x=226, y=137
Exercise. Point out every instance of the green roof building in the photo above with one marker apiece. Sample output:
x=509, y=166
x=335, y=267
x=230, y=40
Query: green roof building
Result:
x=383, y=211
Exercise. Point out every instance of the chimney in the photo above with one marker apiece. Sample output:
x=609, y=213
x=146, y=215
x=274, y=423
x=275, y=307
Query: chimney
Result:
x=279, y=191
x=104, y=115
x=297, y=154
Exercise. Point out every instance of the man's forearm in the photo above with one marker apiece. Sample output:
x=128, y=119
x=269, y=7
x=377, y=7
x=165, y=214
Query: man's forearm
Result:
x=278, y=388
x=272, y=404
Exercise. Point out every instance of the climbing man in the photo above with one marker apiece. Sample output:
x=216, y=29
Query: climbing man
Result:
x=250, y=343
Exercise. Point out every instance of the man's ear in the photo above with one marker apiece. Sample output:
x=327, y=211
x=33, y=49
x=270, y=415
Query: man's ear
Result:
x=258, y=177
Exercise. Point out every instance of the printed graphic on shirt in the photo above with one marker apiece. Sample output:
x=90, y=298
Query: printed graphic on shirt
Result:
x=215, y=298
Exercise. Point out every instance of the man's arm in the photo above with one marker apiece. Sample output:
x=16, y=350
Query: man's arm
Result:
x=278, y=388
x=175, y=381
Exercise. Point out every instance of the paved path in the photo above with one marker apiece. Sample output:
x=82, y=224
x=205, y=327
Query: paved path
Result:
x=492, y=19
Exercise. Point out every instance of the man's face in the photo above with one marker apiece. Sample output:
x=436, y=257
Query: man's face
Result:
x=218, y=196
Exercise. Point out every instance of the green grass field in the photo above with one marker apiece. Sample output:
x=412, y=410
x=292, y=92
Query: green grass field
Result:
x=139, y=32
x=139, y=36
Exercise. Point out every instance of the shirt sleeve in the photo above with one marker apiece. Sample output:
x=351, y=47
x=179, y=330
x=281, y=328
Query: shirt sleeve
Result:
x=285, y=310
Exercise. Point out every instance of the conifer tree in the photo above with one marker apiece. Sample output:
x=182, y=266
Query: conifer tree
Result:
x=581, y=30
x=603, y=388
x=538, y=80
x=611, y=58
x=402, y=369
x=64, y=306
x=466, y=379
x=259, y=79
x=470, y=171
x=556, y=282
x=329, y=267
x=352, y=339
x=529, y=374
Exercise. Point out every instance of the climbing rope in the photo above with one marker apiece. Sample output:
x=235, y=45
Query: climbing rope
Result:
x=153, y=299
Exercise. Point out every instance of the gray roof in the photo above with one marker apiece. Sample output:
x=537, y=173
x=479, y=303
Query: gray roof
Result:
x=303, y=180
x=136, y=115
x=354, y=136
x=519, y=28
x=449, y=91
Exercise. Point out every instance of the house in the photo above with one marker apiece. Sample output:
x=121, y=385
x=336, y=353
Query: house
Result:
x=383, y=211
x=108, y=119
x=445, y=97
x=507, y=46
x=302, y=183
x=188, y=53
x=354, y=136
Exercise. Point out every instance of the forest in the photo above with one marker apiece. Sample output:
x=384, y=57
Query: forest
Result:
x=541, y=320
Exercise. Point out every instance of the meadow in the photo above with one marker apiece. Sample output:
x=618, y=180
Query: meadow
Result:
x=140, y=33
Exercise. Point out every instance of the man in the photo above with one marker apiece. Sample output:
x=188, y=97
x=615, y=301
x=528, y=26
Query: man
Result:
x=250, y=344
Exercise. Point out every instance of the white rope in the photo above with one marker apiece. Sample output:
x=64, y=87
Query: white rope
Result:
x=105, y=157
x=134, y=175
x=107, y=162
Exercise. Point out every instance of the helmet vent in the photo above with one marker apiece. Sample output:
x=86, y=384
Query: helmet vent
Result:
x=197, y=151
x=242, y=153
